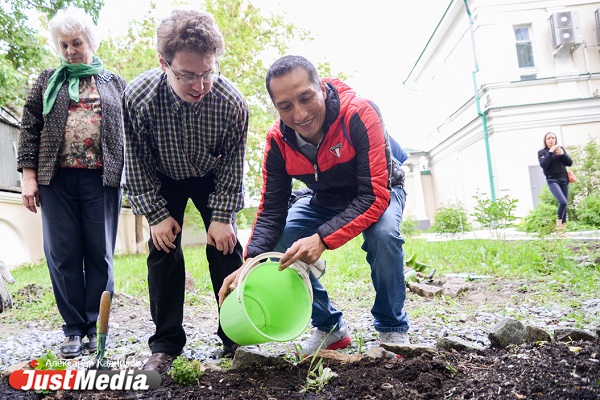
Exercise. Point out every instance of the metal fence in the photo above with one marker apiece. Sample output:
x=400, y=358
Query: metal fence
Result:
x=10, y=179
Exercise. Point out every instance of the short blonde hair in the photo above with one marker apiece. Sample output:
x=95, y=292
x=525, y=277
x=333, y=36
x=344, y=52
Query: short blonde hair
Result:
x=70, y=21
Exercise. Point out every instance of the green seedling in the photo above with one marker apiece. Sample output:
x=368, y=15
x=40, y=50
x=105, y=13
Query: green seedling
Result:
x=318, y=376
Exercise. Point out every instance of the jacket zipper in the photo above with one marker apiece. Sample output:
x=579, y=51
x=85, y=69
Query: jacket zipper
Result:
x=316, y=172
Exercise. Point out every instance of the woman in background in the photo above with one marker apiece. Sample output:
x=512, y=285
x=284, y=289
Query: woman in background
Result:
x=71, y=157
x=554, y=161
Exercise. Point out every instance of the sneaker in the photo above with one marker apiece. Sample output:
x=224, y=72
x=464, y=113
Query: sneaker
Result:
x=325, y=340
x=394, y=338
x=71, y=346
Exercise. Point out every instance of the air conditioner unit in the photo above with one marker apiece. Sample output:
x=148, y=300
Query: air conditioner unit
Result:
x=597, y=13
x=566, y=30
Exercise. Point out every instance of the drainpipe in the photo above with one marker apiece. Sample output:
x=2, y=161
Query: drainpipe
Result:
x=478, y=104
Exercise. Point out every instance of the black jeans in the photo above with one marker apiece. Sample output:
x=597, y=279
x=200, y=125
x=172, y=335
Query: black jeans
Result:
x=166, y=271
x=560, y=191
x=80, y=217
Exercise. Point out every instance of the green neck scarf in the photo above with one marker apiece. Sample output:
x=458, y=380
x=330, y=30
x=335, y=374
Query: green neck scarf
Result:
x=72, y=72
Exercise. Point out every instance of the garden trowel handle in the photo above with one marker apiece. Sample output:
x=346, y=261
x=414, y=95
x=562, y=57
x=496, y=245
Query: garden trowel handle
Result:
x=104, y=313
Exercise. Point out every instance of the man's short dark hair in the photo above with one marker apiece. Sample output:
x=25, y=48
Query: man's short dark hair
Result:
x=190, y=31
x=287, y=64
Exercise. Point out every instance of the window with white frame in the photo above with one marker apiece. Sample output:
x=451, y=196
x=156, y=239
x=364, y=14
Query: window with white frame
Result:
x=524, y=47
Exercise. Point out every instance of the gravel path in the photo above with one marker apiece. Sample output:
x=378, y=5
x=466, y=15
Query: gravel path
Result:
x=131, y=325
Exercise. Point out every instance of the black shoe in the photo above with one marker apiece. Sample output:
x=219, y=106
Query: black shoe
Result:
x=92, y=342
x=71, y=346
x=229, y=351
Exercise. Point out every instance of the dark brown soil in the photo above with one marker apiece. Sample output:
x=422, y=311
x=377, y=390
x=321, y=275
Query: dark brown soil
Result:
x=530, y=371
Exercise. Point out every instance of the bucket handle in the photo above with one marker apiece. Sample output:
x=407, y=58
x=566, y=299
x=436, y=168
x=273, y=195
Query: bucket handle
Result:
x=300, y=267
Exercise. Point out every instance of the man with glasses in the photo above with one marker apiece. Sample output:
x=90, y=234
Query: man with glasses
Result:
x=185, y=137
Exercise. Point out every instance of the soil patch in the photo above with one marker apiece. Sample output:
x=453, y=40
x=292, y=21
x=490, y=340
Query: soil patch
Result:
x=544, y=371
x=530, y=371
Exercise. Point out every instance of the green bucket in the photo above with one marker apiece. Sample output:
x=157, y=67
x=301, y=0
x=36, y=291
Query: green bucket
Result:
x=268, y=305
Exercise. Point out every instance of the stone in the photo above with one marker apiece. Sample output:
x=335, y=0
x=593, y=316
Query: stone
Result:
x=454, y=287
x=535, y=335
x=506, y=332
x=424, y=290
x=379, y=352
x=456, y=343
x=245, y=358
x=409, y=350
x=335, y=356
x=573, y=335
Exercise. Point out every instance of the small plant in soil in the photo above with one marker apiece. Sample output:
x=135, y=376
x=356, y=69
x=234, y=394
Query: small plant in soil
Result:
x=185, y=372
x=318, y=377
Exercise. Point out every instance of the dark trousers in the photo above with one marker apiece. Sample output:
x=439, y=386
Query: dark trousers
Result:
x=166, y=271
x=80, y=217
x=560, y=191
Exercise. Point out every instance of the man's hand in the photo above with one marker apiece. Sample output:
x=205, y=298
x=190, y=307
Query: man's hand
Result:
x=308, y=250
x=222, y=236
x=229, y=283
x=164, y=234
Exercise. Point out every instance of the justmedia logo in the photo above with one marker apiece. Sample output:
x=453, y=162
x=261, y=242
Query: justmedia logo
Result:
x=84, y=380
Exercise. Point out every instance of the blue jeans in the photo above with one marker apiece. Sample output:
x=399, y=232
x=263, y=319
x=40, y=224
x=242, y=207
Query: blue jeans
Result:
x=560, y=191
x=383, y=245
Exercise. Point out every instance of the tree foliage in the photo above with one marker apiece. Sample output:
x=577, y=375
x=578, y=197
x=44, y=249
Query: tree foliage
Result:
x=23, y=50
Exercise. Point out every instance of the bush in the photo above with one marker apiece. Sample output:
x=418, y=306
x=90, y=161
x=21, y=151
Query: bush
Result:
x=494, y=215
x=588, y=211
x=409, y=226
x=542, y=220
x=451, y=218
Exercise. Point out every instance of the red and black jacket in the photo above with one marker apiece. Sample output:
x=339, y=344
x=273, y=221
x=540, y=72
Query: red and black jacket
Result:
x=352, y=173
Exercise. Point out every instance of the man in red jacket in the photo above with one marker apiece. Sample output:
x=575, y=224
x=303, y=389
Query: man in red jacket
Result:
x=336, y=143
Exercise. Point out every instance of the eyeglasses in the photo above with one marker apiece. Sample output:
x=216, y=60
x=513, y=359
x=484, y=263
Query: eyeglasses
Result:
x=188, y=79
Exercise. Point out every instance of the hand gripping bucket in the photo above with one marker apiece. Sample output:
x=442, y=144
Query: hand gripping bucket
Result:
x=268, y=305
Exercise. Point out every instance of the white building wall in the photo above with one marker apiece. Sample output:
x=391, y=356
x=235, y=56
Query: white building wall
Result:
x=564, y=98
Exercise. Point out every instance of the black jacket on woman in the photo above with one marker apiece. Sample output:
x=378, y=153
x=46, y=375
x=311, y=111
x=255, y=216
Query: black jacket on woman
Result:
x=554, y=166
x=42, y=136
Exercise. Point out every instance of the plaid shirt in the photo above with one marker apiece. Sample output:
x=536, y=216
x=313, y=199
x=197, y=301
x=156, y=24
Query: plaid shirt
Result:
x=183, y=140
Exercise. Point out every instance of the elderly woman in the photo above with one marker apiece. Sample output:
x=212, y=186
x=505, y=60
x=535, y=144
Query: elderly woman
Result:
x=71, y=156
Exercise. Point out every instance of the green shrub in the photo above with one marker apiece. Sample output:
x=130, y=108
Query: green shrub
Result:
x=185, y=372
x=409, y=226
x=494, y=215
x=451, y=218
x=542, y=220
x=588, y=211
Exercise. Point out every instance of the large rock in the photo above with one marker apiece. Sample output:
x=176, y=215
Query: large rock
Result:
x=506, y=332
